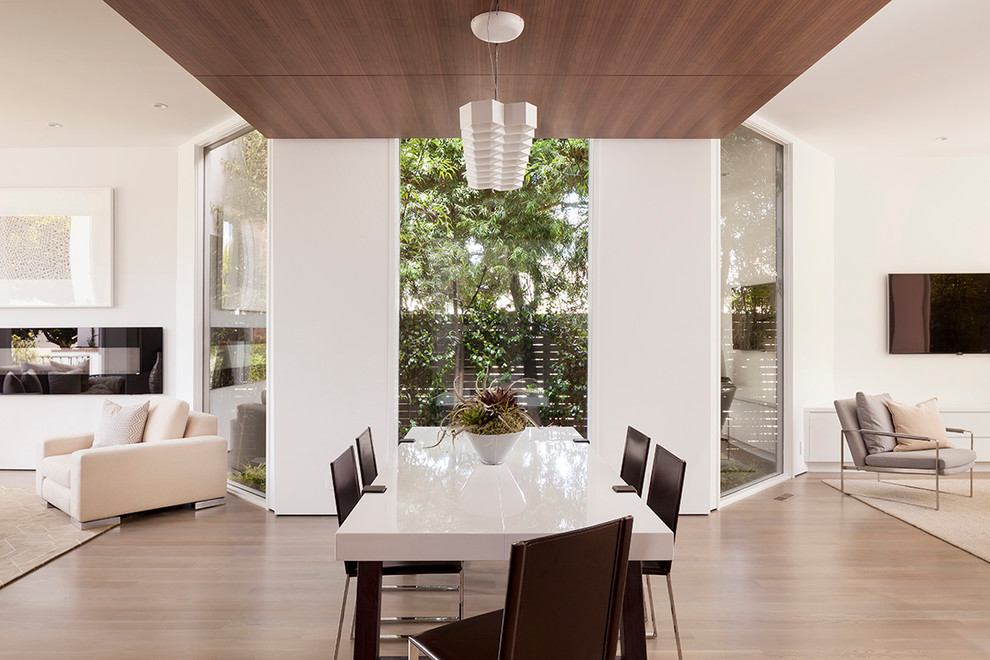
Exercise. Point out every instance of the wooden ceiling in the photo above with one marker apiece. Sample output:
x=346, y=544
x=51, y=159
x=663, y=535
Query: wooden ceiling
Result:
x=401, y=68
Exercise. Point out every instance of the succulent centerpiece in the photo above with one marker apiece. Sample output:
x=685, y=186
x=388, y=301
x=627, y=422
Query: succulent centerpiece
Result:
x=491, y=418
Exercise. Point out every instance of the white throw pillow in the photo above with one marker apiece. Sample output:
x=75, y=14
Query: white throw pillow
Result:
x=119, y=425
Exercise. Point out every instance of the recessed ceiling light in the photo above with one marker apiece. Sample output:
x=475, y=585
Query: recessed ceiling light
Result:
x=941, y=138
x=160, y=106
x=54, y=124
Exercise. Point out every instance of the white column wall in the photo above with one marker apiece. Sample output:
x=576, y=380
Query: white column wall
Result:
x=809, y=336
x=333, y=206
x=653, y=349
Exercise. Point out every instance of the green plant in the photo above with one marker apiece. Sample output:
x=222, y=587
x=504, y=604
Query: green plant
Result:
x=22, y=345
x=252, y=476
x=734, y=474
x=62, y=337
x=491, y=410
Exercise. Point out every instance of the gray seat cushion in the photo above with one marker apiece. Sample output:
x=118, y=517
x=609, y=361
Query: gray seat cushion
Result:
x=951, y=461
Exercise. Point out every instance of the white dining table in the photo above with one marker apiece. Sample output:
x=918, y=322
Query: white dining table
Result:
x=442, y=503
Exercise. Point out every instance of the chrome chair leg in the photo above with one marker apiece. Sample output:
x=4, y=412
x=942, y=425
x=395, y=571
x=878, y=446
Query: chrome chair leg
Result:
x=653, y=613
x=340, y=623
x=936, y=478
x=673, y=616
x=406, y=619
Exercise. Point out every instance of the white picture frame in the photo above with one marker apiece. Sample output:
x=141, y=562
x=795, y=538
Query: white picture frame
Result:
x=56, y=247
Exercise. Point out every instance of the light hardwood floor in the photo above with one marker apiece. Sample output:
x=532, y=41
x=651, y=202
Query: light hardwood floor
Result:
x=816, y=575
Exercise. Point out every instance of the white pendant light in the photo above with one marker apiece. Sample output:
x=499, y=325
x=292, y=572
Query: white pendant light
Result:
x=520, y=126
x=497, y=138
x=483, y=135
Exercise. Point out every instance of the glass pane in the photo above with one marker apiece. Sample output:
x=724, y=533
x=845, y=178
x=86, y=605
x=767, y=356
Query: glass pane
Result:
x=751, y=213
x=237, y=217
x=494, y=282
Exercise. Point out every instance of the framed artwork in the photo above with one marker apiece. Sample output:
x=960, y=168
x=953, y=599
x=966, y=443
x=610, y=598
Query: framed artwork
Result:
x=56, y=247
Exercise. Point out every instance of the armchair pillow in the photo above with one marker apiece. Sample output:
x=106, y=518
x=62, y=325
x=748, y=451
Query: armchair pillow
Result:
x=119, y=425
x=921, y=419
x=166, y=419
x=874, y=416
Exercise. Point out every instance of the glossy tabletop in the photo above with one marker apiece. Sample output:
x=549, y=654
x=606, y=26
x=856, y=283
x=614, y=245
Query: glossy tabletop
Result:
x=443, y=503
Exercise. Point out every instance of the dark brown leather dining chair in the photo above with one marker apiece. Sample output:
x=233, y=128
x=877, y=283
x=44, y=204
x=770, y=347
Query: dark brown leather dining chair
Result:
x=366, y=457
x=634, y=457
x=563, y=602
x=346, y=495
x=666, y=486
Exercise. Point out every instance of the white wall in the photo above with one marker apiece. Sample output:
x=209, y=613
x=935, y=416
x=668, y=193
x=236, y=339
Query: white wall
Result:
x=905, y=215
x=809, y=299
x=653, y=350
x=144, y=182
x=332, y=310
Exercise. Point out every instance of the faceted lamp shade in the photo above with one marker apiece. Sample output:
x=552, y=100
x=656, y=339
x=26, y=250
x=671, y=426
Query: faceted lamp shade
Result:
x=497, y=139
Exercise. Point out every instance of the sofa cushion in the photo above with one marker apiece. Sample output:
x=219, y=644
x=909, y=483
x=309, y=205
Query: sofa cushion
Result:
x=166, y=419
x=874, y=416
x=31, y=382
x=921, y=419
x=119, y=425
x=12, y=384
x=950, y=461
x=68, y=382
x=80, y=366
x=58, y=468
x=36, y=367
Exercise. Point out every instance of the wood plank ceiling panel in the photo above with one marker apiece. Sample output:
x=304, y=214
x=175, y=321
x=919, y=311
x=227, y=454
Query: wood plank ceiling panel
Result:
x=401, y=68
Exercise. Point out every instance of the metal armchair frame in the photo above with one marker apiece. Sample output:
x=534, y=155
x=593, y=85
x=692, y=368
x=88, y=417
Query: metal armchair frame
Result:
x=867, y=468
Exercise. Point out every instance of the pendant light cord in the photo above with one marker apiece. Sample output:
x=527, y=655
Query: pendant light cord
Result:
x=493, y=48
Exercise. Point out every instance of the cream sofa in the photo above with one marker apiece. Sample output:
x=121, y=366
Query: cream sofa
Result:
x=181, y=460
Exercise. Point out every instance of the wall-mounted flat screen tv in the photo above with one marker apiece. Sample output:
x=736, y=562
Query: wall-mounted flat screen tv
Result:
x=938, y=313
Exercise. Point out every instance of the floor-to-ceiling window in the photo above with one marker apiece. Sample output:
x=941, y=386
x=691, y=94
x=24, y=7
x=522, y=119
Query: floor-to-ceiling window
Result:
x=236, y=219
x=751, y=310
x=493, y=282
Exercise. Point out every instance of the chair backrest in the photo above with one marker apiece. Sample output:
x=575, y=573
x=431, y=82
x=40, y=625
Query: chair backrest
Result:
x=366, y=457
x=564, y=594
x=634, y=457
x=346, y=490
x=666, y=486
x=849, y=420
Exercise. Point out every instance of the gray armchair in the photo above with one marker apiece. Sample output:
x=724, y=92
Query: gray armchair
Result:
x=940, y=461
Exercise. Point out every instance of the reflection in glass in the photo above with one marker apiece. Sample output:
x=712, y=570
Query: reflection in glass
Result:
x=544, y=479
x=493, y=282
x=237, y=205
x=81, y=360
x=751, y=230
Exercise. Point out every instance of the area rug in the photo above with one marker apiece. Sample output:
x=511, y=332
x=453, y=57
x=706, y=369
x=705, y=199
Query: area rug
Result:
x=32, y=534
x=960, y=521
